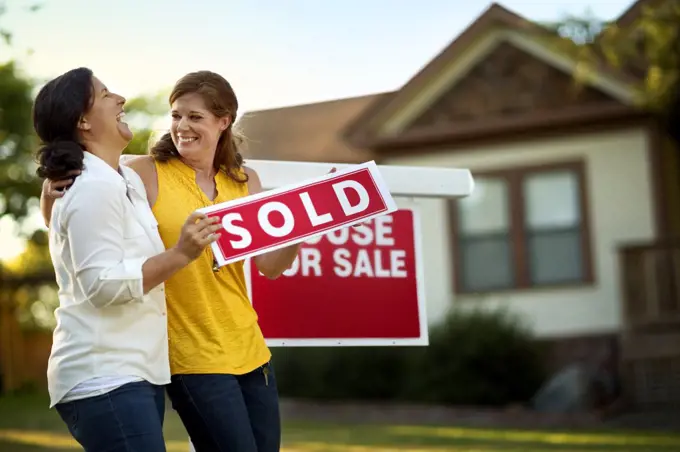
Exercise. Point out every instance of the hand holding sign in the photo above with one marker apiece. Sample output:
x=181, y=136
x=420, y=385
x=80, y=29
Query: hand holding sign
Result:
x=197, y=232
x=271, y=220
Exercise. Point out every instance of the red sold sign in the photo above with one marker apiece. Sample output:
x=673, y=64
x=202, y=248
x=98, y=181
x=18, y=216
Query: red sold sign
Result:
x=278, y=218
x=353, y=286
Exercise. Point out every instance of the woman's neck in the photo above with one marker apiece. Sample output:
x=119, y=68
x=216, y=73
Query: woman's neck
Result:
x=203, y=168
x=112, y=158
x=205, y=176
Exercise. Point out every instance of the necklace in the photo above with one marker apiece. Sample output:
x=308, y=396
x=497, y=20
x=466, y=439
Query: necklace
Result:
x=215, y=265
x=204, y=202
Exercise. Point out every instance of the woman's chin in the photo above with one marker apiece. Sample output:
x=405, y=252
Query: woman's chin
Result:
x=125, y=131
x=189, y=150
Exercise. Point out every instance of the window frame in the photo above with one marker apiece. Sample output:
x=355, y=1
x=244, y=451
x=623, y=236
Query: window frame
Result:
x=518, y=231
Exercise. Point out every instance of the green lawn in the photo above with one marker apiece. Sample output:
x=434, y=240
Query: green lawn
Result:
x=26, y=425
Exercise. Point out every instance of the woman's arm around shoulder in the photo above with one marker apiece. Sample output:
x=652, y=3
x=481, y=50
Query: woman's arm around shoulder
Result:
x=53, y=190
x=145, y=168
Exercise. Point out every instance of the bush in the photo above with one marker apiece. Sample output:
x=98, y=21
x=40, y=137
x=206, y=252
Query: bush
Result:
x=478, y=358
x=474, y=358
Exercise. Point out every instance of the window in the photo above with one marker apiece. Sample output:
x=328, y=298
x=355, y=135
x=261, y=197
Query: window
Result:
x=522, y=228
x=485, y=237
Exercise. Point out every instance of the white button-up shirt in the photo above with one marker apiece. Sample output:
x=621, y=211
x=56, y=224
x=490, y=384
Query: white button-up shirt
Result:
x=101, y=233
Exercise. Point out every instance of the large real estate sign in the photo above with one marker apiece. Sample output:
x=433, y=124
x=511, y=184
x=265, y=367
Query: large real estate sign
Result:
x=352, y=286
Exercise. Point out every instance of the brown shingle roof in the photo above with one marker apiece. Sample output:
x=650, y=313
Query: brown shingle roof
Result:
x=308, y=132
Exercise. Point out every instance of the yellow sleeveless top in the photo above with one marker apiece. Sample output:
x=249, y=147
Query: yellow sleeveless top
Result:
x=212, y=326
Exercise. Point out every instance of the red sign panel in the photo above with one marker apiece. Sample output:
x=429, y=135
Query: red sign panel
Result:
x=277, y=218
x=353, y=286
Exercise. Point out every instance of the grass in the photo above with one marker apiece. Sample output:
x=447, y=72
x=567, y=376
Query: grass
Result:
x=26, y=425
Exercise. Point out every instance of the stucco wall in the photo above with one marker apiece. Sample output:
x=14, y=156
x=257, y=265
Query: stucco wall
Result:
x=619, y=198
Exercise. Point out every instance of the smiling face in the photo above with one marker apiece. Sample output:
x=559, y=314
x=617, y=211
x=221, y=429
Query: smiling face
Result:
x=103, y=122
x=195, y=129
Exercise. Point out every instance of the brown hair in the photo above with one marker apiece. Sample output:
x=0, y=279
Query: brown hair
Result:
x=220, y=99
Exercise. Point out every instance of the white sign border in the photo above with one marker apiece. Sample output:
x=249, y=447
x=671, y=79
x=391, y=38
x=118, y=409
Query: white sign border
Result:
x=390, y=205
x=423, y=340
x=409, y=181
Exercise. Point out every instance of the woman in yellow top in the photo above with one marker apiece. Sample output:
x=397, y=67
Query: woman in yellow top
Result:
x=223, y=386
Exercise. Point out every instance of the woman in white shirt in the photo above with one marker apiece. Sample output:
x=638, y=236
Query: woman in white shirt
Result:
x=109, y=358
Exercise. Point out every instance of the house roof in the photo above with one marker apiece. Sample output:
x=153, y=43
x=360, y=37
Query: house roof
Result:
x=361, y=130
x=309, y=132
x=494, y=15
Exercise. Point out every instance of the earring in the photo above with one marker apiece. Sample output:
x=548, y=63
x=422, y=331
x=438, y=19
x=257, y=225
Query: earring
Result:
x=83, y=124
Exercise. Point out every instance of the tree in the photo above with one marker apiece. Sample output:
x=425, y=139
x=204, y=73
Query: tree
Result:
x=31, y=287
x=18, y=183
x=646, y=49
x=141, y=113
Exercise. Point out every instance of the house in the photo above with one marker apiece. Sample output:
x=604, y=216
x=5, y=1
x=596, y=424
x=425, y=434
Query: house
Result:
x=575, y=190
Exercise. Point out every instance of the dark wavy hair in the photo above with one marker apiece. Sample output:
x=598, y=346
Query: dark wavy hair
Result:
x=56, y=111
x=220, y=99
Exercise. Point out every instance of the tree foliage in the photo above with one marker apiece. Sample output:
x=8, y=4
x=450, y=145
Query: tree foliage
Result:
x=141, y=113
x=17, y=178
x=18, y=183
x=645, y=51
x=36, y=299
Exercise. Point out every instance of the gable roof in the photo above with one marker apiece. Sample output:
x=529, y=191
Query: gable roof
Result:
x=363, y=129
x=495, y=14
x=309, y=132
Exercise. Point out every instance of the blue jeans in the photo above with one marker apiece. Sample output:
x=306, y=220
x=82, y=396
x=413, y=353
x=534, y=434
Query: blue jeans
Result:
x=229, y=413
x=127, y=419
